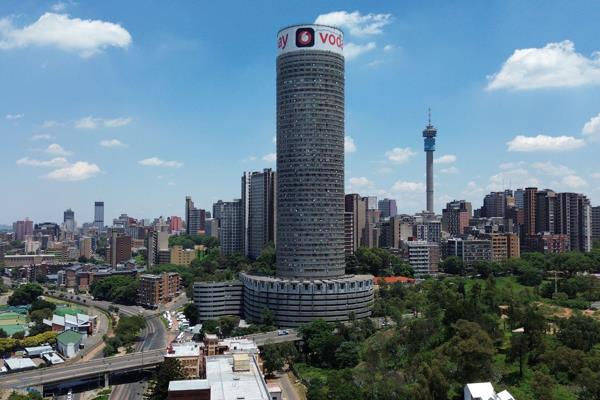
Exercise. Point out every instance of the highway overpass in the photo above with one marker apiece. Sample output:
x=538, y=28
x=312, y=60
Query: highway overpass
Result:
x=82, y=370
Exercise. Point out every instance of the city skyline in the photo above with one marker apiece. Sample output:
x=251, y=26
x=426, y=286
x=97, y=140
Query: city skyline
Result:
x=170, y=146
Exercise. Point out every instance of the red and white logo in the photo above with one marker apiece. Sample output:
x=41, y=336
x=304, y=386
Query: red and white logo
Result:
x=305, y=37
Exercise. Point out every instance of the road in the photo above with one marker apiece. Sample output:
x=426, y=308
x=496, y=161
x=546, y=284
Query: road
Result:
x=274, y=337
x=85, y=369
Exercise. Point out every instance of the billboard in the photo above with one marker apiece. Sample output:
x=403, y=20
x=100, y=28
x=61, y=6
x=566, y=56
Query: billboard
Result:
x=310, y=37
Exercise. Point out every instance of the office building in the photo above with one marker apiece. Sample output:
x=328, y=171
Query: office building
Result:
x=119, y=249
x=157, y=242
x=218, y=209
x=22, y=229
x=194, y=218
x=231, y=228
x=211, y=228
x=456, y=217
x=158, y=289
x=423, y=257
x=547, y=243
x=546, y=210
x=357, y=207
x=495, y=204
x=310, y=279
x=396, y=230
x=596, y=223
x=504, y=246
x=387, y=207
x=258, y=202
x=427, y=227
x=99, y=215
x=69, y=221
x=371, y=202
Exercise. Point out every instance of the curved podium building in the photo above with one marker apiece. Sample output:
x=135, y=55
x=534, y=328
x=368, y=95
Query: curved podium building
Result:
x=310, y=281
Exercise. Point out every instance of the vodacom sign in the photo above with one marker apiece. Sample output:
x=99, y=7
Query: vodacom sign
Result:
x=310, y=37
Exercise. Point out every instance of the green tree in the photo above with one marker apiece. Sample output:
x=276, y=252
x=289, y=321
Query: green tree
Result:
x=273, y=360
x=191, y=313
x=453, y=265
x=472, y=350
x=267, y=317
x=227, y=324
x=579, y=332
x=25, y=294
x=346, y=355
x=543, y=386
x=169, y=370
x=210, y=326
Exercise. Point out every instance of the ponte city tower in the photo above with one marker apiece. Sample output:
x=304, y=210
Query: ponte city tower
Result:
x=310, y=280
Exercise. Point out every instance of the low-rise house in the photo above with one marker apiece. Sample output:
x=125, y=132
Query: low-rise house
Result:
x=81, y=323
x=19, y=364
x=38, y=351
x=484, y=391
x=68, y=343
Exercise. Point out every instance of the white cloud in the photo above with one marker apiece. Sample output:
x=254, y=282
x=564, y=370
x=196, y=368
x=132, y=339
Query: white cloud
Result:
x=90, y=122
x=79, y=171
x=399, y=155
x=57, y=150
x=85, y=37
x=271, y=157
x=574, y=182
x=117, y=122
x=58, y=7
x=450, y=170
x=472, y=189
x=349, y=146
x=360, y=181
x=157, y=162
x=355, y=23
x=596, y=175
x=555, y=65
x=406, y=186
x=517, y=177
x=12, y=117
x=547, y=168
x=49, y=124
x=512, y=165
x=592, y=127
x=445, y=159
x=544, y=143
x=388, y=47
x=54, y=163
x=353, y=50
x=42, y=136
x=112, y=143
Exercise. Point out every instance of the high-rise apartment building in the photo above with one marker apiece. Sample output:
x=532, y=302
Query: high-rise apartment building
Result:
x=546, y=210
x=504, y=246
x=99, y=214
x=495, y=204
x=258, y=202
x=575, y=220
x=530, y=208
x=217, y=209
x=22, y=229
x=119, y=249
x=456, y=217
x=156, y=242
x=69, y=220
x=194, y=218
x=85, y=247
x=310, y=279
x=388, y=208
x=470, y=251
x=423, y=257
x=427, y=227
x=231, y=236
x=596, y=223
x=357, y=207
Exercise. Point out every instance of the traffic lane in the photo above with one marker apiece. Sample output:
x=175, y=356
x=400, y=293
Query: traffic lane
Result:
x=80, y=369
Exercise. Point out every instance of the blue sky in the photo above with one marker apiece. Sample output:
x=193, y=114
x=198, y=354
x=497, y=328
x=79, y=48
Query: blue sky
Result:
x=139, y=104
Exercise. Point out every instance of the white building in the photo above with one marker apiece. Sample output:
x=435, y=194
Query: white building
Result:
x=423, y=256
x=485, y=391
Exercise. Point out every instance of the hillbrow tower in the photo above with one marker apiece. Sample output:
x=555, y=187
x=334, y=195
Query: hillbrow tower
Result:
x=310, y=280
x=429, y=135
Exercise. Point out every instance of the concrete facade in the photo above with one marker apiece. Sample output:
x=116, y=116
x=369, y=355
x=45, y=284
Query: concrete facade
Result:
x=216, y=299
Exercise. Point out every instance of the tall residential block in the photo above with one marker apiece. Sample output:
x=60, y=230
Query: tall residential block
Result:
x=194, y=218
x=22, y=229
x=69, y=220
x=158, y=289
x=231, y=236
x=530, y=208
x=596, y=223
x=456, y=217
x=258, y=201
x=575, y=220
x=310, y=277
x=119, y=249
x=175, y=224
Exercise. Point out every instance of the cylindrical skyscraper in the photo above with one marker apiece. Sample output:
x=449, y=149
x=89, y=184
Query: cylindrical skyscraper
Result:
x=310, y=280
x=429, y=134
x=310, y=152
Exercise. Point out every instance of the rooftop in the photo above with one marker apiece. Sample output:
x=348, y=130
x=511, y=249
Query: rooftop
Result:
x=189, y=349
x=393, y=279
x=225, y=384
x=19, y=363
x=191, y=384
x=67, y=337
